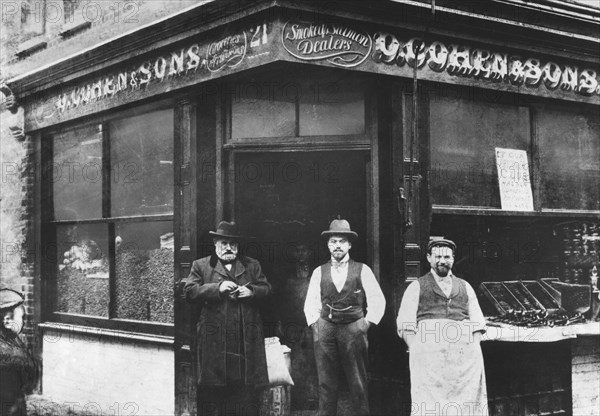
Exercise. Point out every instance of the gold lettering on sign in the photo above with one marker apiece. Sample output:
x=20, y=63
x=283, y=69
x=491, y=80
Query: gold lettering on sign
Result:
x=552, y=75
x=588, y=82
x=437, y=56
x=462, y=60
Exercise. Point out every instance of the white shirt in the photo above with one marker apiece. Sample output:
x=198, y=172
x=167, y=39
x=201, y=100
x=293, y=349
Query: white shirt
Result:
x=373, y=293
x=407, y=315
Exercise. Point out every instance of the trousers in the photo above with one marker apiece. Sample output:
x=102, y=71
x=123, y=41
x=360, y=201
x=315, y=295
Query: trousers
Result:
x=342, y=348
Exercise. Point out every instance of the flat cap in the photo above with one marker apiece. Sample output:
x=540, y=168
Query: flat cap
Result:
x=440, y=242
x=10, y=298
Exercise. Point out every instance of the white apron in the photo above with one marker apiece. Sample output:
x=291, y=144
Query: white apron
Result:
x=446, y=370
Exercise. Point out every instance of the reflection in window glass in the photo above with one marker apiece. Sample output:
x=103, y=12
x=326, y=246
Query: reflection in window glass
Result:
x=82, y=276
x=569, y=160
x=144, y=271
x=142, y=164
x=332, y=108
x=76, y=174
x=464, y=135
x=263, y=112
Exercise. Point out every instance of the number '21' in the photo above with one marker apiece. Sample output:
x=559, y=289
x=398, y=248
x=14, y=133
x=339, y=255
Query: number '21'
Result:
x=260, y=36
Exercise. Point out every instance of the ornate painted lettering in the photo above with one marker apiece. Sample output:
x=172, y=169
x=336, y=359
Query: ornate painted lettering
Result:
x=516, y=71
x=176, y=66
x=552, y=75
x=482, y=66
x=193, y=57
x=588, y=83
x=145, y=72
x=459, y=60
x=386, y=47
x=568, y=81
x=532, y=73
x=499, y=69
x=437, y=56
x=160, y=68
x=408, y=52
x=337, y=44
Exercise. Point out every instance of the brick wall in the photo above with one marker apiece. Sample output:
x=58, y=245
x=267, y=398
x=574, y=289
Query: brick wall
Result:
x=17, y=263
x=108, y=375
x=586, y=376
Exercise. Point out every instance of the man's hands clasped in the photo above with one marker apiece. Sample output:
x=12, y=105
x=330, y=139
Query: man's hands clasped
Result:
x=235, y=291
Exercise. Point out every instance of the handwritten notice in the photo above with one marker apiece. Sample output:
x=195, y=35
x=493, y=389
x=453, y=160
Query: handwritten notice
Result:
x=514, y=180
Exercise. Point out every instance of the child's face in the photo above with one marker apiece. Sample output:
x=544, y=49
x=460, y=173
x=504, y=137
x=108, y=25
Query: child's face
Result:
x=13, y=319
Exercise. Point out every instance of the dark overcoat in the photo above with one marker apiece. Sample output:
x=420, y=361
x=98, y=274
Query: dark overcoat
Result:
x=223, y=321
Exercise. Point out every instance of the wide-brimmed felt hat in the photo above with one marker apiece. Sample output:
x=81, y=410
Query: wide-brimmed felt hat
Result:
x=339, y=227
x=10, y=298
x=227, y=230
x=440, y=242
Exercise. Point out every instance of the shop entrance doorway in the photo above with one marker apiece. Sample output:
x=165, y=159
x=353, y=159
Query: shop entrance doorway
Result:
x=285, y=200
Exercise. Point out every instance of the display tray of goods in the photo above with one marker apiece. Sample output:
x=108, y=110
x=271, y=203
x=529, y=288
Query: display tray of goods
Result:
x=535, y=303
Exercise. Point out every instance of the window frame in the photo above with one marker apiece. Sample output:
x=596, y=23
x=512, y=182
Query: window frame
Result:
x=534, y=106
x=49, y=226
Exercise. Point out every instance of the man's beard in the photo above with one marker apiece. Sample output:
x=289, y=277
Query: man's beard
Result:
x=442, y=271
x=338, y=255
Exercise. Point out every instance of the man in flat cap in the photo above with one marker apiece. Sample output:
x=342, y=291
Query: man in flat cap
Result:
x=441, y=322
x=339, y=294
x=18, y=370
x=230, y=347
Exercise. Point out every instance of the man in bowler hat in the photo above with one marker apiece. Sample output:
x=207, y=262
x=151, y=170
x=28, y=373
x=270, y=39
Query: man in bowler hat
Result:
x=342, y=301
x=230, y=348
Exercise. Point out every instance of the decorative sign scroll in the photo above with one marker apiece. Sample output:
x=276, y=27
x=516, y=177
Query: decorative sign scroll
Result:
x=227, y=52
x=513, y=179
x=487, y=65
x=337, y=44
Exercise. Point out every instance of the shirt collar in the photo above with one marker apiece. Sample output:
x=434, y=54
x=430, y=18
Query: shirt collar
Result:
x=439, y=278
x=342, y=262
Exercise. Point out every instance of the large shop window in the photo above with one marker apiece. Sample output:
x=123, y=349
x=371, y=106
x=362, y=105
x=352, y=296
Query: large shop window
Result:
x=570, y=159
x=464, y=135
x=275, y=107
x=109, y=213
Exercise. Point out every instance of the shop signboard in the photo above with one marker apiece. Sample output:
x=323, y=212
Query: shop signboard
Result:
x=336, y=43
x=513, y=179
x=170, y=69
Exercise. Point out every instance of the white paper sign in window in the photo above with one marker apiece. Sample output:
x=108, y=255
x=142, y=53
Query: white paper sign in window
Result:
x=514, y=180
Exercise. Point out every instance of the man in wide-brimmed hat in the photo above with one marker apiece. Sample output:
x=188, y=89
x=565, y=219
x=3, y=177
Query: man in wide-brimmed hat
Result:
x=343, y=300
x=230, y=347
x=441, y=322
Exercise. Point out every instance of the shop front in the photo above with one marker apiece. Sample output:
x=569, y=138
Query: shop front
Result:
x=405, y=120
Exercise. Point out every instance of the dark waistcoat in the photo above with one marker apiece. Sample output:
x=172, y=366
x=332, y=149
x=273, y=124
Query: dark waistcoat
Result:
x=433, y=303
x=345, y=306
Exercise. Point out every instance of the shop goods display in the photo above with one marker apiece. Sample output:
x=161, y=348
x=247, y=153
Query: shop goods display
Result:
x=529, y=303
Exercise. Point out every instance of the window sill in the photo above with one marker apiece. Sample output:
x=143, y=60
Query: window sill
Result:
x=465, y=210
x=121, y=336
x=101, y=324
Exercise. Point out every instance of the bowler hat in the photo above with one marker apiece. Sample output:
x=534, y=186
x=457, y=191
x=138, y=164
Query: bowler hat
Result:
x=227, y=230
x=10, y=298
x=339, y=227
x=440, y=242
